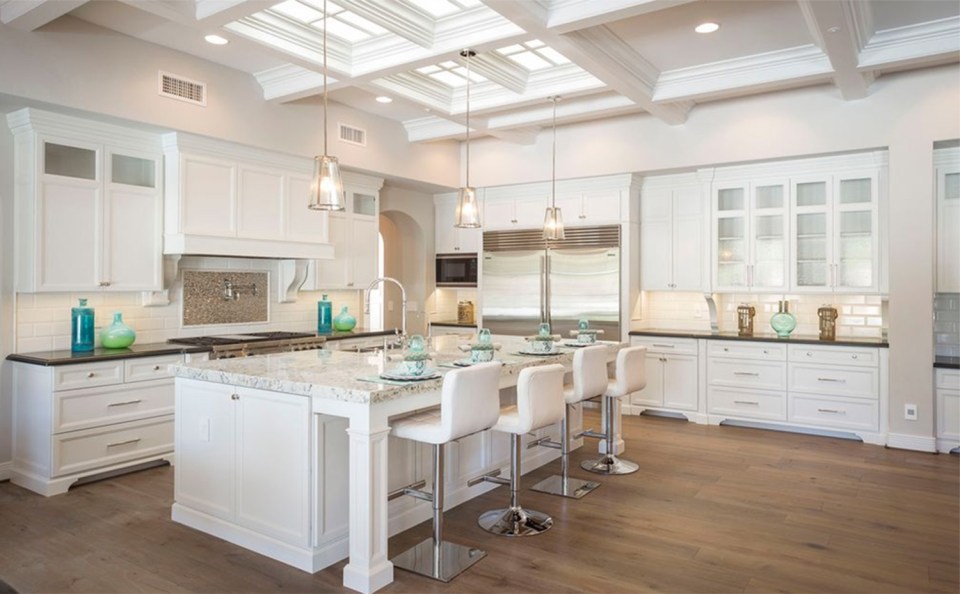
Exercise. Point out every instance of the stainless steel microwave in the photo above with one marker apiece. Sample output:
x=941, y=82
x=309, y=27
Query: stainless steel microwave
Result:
x=456, y=270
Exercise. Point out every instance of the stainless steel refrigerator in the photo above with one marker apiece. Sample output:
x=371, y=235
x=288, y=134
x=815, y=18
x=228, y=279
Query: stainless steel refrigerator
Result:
x=526, y=280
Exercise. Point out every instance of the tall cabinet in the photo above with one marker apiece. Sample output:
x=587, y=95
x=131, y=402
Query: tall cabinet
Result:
x=947, y=181
x=672, y=232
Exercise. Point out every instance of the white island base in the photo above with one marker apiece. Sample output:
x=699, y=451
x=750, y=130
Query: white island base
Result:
x=290, y=456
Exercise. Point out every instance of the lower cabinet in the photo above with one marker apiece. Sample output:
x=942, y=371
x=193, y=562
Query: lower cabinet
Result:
x=672, y=372
x=947, y=382
x=747, y=380
x=77, y=420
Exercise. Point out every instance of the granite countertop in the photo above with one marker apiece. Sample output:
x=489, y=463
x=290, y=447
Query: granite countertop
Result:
x=353, y=377
x=945, y=362
x=356, y=333
x=793, y=339
x=68, y=357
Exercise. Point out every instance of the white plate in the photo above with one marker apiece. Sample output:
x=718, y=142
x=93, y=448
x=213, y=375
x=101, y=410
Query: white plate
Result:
x=547, y=354
x=468, y=362
x=580, y=344
x=429, y=374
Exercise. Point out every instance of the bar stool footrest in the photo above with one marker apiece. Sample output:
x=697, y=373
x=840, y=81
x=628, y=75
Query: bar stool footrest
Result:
x=573, y=488
x=453, y=560
x=590, y=433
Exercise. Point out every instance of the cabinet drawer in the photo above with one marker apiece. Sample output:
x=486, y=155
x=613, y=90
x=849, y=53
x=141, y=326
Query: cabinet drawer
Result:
x=841, y=413
x=753, y=404
x=740, y=373
x=858, y=382
x=105, y=446
x=948, y=379
x=834, y=355
x=761, y=351
x=149, y=368
x=948, y=414
x=81, y=409
x=655, y=344
x=70, y=377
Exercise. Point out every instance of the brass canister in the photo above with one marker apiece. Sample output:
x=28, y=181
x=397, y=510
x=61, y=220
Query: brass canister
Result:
x=745, y=315
x=828, y=322
x=465, y=312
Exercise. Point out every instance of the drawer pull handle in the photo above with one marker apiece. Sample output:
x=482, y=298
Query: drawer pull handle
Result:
x=138, y=401
x=156, y=368
x=664, y=359
x=747, y=373
x=234, y=397
x=809, y=354
x=664, y=346
x=726, y=350
x=753, y=402
x=91, y=374
x=832, y=411
x=831, y=379
x=853, y=356
x=120, y=443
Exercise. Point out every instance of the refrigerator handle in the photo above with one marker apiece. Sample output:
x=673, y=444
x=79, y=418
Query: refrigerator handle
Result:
x=546, y=293
x=543, y=289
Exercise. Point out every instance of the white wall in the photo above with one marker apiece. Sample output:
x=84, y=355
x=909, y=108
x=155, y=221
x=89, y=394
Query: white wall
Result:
x=78, y=65
x=6, y=294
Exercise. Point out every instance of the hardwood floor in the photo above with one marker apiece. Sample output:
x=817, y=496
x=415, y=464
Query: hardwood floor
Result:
x=712, y=509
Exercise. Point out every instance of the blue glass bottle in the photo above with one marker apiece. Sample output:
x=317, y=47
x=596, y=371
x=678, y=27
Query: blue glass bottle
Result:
x=81, y=328
x=324, y=316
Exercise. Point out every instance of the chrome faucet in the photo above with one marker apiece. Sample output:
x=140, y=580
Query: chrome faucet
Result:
x=233, y=292
x=403, y=302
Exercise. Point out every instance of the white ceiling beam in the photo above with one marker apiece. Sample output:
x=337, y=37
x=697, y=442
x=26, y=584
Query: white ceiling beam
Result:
x=842, y=29
x=183, y=13
x=291, y=82
x=571, y=15
x=396, y=18
x=912, y=44
x=29, y=15
x=568, y=111
x=498, y=69
x=216, y=13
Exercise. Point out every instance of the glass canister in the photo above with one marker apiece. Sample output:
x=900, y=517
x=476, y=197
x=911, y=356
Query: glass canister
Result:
x=81, y=327
x=324, y=316
x=828, y=322
x=465, y=312
x=745, y=315
x=783, y=322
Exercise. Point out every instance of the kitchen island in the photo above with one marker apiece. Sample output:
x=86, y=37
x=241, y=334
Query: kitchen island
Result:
x=289, y=455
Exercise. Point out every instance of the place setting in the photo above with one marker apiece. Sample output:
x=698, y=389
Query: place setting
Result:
x=412, y=366
x=583, y=336
x=481, y=351
x=543, y=344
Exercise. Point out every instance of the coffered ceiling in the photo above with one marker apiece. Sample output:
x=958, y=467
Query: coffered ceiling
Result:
x=604, y=57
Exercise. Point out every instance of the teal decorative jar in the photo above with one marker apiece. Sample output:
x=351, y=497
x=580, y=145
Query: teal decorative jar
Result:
x=117, y=335
x=482, y=350
x=783, y=322
x=324, y=316
x=344, y=322
x=81, y=328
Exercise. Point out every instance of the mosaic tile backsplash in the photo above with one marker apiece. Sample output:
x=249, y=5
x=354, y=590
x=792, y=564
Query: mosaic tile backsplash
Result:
x=204, y=302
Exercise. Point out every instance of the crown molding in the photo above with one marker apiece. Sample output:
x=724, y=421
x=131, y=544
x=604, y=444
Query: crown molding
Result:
x=913, y=42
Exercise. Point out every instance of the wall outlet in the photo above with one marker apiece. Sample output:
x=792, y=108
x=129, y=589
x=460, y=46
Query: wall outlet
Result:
x=910, y=412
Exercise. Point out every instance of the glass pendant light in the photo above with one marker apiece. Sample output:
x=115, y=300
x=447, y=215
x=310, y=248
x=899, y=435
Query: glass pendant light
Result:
x=326, y=187
x=552, y=220
x=468, y=211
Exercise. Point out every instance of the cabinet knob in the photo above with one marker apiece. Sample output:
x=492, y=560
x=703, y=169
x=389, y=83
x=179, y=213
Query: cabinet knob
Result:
x=809, y=354
x=349, y=284
x=234, y=397
x=582, y=217
x=726, y=350
x=766, y=352
x=156, y=368
x=514, y=221
x=853, y=356
x=456, y=249
x=91, y=374
x=104, y=283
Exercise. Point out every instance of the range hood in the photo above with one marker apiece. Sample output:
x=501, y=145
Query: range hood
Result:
x=200, y=245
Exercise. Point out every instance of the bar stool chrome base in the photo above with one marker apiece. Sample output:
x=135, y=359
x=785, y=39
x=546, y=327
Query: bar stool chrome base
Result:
x=515, y=521
x=609, y=465
x=573, y=488
x=441, y=563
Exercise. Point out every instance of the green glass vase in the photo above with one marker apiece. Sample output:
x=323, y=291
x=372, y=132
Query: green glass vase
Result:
x=117, y=335
x=783, y=322
x=344, y=322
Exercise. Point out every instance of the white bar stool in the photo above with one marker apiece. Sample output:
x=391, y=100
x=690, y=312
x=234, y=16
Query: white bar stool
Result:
x=630, y=376
x=589, y=381
x=539, y=403
x=469, y=403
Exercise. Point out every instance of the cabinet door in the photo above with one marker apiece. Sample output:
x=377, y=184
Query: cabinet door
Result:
x=207, y=191
x=687, y=240
x=273, y=464
x=302, y=223
x=730, y=227
x=656, y=244
x=445, y=234
x=680, y=382
x=499, y=214
x=652, y=394
x=469, y=241
x=68, y=235
x=855, y=239
x=812, y=221
x=530, y=212
x=572, y=210
x=768, y=236
x=260, y=203
x=948, y=229
x=132, y=239
x=333, y=273
x=364, y=252
x=600, y=208
x=206, y=447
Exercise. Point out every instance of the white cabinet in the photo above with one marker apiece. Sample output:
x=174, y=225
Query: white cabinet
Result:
x=947, y=384
x=672, y=374
x=226, y=199
x=746, y=380
x=947, y=181
x=248, y=459
x=671, y=234
x=450, y=239
x=89, y=204
x=77, y=420
x=514, y=213
x=589, y=207
x=355, y=236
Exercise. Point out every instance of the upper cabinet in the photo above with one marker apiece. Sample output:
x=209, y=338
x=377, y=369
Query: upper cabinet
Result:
x=450, y=239
x=672, y=244
x=947, y=186
x=232, y=200
x=89, y=205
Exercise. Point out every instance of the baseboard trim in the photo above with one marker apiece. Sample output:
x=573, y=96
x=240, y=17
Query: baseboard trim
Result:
x=918, y=443
x=6, y=468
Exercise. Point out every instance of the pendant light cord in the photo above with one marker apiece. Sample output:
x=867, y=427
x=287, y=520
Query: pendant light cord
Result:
x=324, y=77
x=553, y=177
x=468, y=52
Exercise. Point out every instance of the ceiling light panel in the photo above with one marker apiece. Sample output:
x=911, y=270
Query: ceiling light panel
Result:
x=298, y=11
x=342, y=24
x=530, y=60
x=337, y=28
x=436, y=8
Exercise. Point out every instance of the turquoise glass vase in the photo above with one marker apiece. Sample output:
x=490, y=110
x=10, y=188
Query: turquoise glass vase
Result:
x=783, y=322
x=81, y=328
x=344, y=322
x=324, y=316
x=117, y=335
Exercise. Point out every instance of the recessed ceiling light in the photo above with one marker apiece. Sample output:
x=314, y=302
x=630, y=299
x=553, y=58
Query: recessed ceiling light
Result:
x=706, y=27
x=384, y=99
x=216, y=40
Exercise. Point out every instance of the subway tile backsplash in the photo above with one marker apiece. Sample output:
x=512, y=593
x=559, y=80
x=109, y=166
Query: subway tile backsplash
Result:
x=946, y=324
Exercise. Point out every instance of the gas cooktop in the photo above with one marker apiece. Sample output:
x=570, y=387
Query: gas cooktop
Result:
x=226, y=339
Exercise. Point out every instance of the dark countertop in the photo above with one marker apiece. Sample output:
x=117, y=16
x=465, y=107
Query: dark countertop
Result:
x=946, y=362
x=68, y=357
x=454, y=324
x=357, y=333
x=795, y=339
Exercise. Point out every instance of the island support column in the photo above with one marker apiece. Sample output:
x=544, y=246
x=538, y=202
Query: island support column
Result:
x=368, y=568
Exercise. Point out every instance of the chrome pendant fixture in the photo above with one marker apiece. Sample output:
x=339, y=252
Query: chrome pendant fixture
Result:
x=468, y=211
x=552, y=219
x=326, y=187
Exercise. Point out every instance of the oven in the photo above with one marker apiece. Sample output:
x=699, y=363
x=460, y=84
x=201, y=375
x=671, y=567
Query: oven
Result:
x=456, y=270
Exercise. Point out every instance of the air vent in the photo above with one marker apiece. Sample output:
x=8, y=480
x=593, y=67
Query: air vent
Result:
x=177, y=87
x=607, y=236
x=357, y=136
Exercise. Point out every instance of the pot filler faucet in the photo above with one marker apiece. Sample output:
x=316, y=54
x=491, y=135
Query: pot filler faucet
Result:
x=403, y=302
